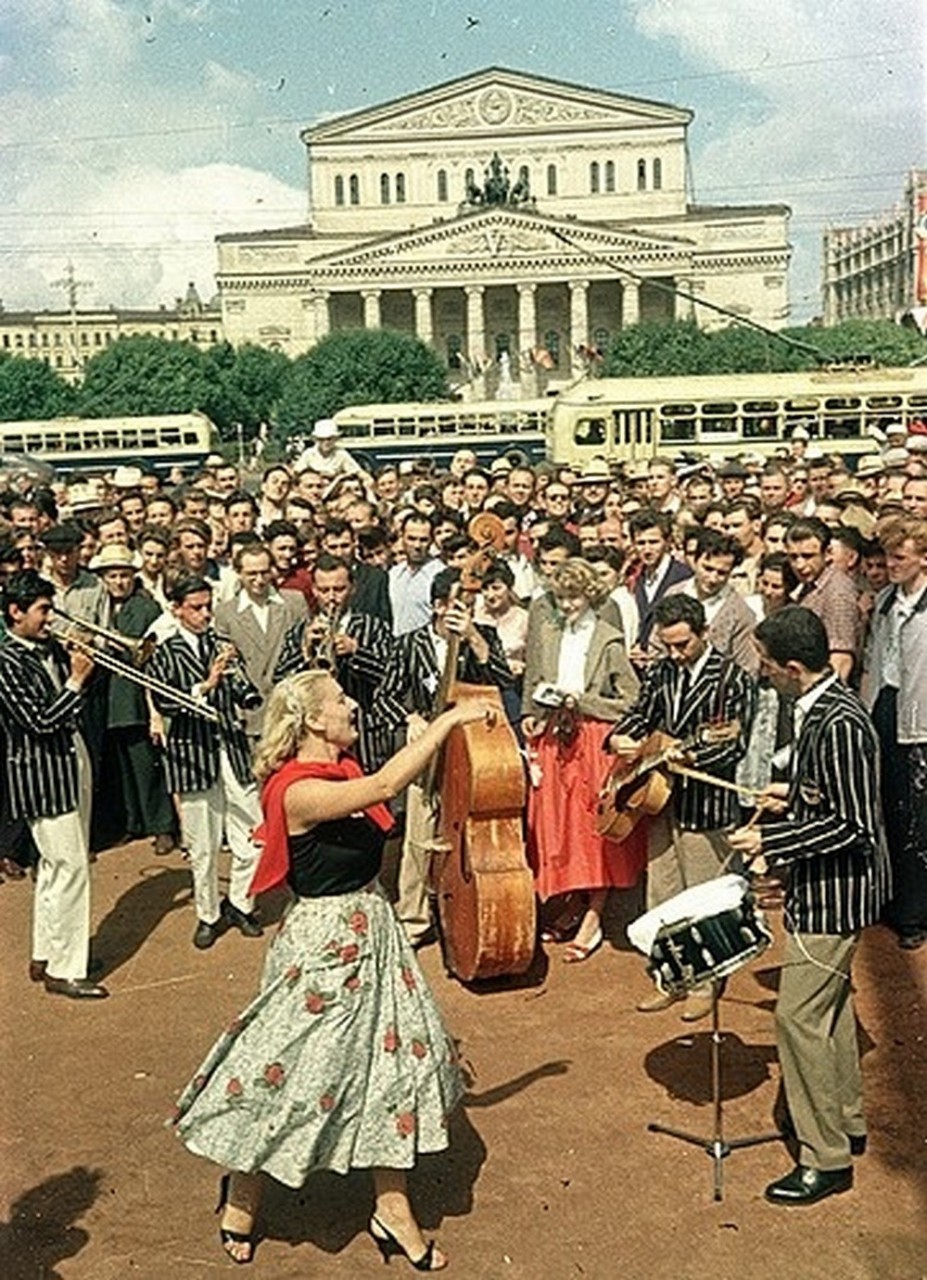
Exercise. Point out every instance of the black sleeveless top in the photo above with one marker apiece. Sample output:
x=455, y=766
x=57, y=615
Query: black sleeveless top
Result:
x=335, y=857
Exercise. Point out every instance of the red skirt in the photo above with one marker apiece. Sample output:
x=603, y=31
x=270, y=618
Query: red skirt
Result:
x=564, y=849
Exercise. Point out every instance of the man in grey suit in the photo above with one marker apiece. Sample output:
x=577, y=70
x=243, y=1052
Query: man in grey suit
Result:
x=48, y=775
x=256, y=620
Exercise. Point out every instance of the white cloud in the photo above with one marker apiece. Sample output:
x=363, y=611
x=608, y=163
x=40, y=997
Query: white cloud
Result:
x=832, y=112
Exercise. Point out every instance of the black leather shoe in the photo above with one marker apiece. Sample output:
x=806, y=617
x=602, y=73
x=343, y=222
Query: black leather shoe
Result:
x=857, y=1144
x=807, y=1186
x=206, y=934
x=75, y=988
x=246, y=923
x=37, y=970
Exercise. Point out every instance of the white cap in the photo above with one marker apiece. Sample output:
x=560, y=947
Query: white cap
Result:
x=800, y=433
x=127, y=477
x=895, y=429
x=325, y=429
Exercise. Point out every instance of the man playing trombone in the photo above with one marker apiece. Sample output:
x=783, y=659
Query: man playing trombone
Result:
x=49, y=778
x=202, y=688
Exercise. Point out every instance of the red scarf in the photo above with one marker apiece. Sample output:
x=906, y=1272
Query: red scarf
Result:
x=274, y=862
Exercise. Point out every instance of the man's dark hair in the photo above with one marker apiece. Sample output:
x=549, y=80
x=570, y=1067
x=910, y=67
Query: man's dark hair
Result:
x=154, y=533
x=557, y=536
x=187, y=584
x=808, y=527
x=371, y=539
x=850, y=537
x=44, y=502
x=275, y=466
x=11, y=554
x=413, y=515
x=161, y=496
x=23, y=588
x=711, y=542
x=327, y=563
x=279, y=529
x=240, y=496
x=783, y=517
x=747, y=503
x=614, y=557
x=779, y=560
x=499, y=571
x=675, y=609
x=794, y=634
x=246, y=544
x=456, y=542
x=447, y=515
x=507, y=510
x=650, y=518
x=442, y=584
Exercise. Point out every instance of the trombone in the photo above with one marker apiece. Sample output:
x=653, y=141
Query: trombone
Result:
x=103, y=658
x=140, y=649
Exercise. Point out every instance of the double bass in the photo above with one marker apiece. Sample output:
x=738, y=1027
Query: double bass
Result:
x=485, y=889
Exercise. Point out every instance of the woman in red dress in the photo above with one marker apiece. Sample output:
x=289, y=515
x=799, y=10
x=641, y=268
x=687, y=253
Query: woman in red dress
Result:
x=577, y=680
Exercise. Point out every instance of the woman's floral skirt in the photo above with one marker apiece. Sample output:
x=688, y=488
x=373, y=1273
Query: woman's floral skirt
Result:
x=342, y=1061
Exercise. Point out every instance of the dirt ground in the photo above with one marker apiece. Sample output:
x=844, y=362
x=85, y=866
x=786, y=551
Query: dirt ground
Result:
x=552, y=1173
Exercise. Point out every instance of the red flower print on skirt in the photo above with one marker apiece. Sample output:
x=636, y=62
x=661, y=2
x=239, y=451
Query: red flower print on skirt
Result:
x=352, y=983
x=419, y=1050
x=327, y=1102
x=391, y=1041
x=315, y=1003
x=292, y=973
x=405, y=1123
x=274, y=1074
x=408, y=977
x=234, y=1088
x=358, y=922
x=349, y=953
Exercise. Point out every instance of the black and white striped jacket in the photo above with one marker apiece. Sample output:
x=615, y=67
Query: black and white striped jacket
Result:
x=193, y=742
x=410, y=682
x=721, y=694
x=359, y=674
x=831, y=840
x=40, y=728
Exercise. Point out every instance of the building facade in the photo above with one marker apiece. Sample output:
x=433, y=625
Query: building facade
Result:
x=502, y=213
x=67, y=339
x=878, y=269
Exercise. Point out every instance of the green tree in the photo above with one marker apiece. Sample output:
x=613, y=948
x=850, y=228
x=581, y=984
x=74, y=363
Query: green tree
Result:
x=655, y=348
x=882, y=341
x=359, y=366
x=30, y=389
x=247, y=385
x=145, y=375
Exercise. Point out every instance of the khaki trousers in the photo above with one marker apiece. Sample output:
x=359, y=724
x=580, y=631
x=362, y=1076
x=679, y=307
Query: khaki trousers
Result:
x=818, y=1048
x=413, y=906
x=678, y=859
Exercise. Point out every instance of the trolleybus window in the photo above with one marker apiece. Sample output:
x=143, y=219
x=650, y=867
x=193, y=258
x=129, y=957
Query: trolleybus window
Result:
x=842, y=417
x=677, y=422
x=760, y=419
x=589, y=431
x=719, y=418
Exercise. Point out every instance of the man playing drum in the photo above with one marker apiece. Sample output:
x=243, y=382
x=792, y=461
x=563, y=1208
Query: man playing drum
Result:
x=828, y=837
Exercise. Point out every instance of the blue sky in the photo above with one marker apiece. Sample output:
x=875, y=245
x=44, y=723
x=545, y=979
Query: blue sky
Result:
x=133, y=131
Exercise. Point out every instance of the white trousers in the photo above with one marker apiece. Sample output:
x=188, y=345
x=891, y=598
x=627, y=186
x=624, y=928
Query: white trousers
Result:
x=61, y=907
x=226, y=807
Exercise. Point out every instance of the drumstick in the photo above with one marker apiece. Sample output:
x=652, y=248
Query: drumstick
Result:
x=699, y=776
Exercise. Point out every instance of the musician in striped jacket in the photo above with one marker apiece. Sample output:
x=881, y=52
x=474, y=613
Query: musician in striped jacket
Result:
x=827, y=836
x=49, y=782
x=354, y=644
x=209, y=762
x=407, y=699
x=700, y=698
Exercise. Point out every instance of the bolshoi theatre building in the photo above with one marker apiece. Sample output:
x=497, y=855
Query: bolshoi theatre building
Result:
x=503, y=212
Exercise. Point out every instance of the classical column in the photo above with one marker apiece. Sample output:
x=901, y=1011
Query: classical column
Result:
x=424, y=328
x=322, y=317
x=371, y=308
x=527, y=318
x=630, y=303
x=683, y=306
x=476, y=326
x=579, y=317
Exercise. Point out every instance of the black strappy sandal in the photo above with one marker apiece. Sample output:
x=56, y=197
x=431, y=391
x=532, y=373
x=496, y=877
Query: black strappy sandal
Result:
x=228, y=1237
x=387, y=1243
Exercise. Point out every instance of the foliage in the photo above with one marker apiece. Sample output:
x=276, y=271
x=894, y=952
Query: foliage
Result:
x=358, y=366
x=30, y=389
x=247, y=384
x=680, y=347
x=145, y=375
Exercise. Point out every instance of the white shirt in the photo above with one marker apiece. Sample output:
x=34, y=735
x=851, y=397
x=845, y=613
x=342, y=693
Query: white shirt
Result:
x=901, y=610
x=651, y=585
x=574, y=646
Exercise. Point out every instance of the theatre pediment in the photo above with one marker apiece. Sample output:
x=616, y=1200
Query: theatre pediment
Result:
x=499, y=235
x=497, y=99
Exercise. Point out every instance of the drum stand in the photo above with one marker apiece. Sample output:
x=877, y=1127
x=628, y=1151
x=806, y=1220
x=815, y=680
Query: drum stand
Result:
x=716, y=1146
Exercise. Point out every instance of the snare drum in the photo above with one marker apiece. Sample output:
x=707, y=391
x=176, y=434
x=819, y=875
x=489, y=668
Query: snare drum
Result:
x=704, y=934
